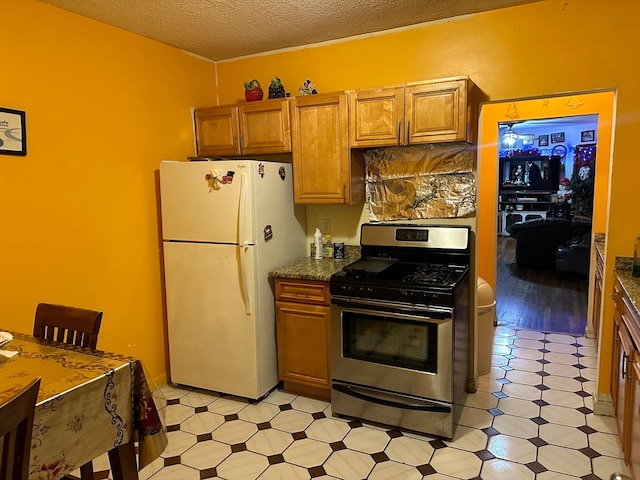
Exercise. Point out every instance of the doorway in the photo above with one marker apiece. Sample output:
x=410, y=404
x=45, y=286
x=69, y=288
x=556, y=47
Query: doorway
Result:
x=492, y=114
x=538, y=178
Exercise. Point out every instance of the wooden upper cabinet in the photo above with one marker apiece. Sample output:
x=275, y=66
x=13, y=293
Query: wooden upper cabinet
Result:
x=439, y=111
x=262, y=127
x=415, y=113
x=377, y=117
x=217, y=131
x=265, y=127
x=324, y=171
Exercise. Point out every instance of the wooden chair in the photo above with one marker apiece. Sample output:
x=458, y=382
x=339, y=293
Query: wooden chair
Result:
x=16, y=427
x=72, y=325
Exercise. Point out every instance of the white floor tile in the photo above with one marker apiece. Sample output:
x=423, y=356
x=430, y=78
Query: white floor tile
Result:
x=456, y=463
x=282, y=437
x=349, y=465
x=498, y=469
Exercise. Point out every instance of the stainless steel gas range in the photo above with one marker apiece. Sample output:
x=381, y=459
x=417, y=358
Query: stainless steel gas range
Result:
x=400, y=328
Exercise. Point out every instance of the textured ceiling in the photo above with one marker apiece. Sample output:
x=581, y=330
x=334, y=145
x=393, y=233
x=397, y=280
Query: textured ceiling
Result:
x=225, y=29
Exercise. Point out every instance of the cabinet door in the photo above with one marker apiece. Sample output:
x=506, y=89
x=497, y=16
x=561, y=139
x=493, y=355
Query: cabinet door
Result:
x=623, y=390
x=322, y=168
x=438, y=112
x=303, y=344
x=634, y=420
x=376, y=117
x=217, y=131
x=597, y=296
x=265, y=127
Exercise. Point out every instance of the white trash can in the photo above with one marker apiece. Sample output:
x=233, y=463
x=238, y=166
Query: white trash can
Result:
x=486, y=301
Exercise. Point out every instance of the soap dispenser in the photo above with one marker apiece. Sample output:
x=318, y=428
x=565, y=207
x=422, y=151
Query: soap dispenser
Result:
x=317, y=242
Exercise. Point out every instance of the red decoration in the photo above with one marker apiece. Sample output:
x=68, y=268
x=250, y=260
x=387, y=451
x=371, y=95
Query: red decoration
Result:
x=253, y=91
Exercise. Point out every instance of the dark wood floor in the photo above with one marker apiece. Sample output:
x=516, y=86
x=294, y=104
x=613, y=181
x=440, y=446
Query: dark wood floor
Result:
x=538, y=299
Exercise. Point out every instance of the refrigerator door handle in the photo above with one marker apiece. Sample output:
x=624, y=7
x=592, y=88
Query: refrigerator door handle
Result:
x=243, y=245
x=242, y=210
x=245, y=279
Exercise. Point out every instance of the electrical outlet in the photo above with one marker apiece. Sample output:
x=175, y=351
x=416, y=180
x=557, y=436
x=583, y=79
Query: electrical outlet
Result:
x=326, y=226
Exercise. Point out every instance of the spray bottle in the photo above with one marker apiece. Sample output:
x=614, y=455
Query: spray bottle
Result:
x=317, y=241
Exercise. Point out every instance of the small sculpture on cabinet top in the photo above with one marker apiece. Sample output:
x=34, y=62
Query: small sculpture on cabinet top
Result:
x=308, y=88
x=252, y=91
x=276, y=89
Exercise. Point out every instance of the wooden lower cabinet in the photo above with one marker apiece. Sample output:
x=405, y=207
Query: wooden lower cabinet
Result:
x=625, y=377
x=597, y=295
x=634, y=420
x=303, y=332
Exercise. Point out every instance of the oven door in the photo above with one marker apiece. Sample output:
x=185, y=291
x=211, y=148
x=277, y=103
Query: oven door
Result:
x=398, y=348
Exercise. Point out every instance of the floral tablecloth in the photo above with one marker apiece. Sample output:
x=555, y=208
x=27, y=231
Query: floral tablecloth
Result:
x=89, y=403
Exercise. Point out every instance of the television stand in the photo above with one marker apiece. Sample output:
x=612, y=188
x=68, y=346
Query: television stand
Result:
x=522, y=205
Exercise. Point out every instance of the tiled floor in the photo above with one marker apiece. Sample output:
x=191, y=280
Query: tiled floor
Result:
x=530, y=419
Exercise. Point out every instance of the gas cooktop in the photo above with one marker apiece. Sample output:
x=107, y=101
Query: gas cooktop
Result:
x=407, y=263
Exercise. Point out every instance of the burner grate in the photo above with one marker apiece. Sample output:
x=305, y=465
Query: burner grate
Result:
x=432, y=275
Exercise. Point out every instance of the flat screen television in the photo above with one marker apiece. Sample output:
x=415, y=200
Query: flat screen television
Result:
x=529, y=173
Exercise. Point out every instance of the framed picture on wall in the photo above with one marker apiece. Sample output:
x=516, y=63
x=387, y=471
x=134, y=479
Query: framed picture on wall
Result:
x=13, y=133
x=543, y=140
x=588, y=136
x=557, y=137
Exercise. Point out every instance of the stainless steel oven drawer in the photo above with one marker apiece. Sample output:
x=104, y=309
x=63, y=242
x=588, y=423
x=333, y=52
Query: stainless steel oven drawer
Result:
x=412, y=413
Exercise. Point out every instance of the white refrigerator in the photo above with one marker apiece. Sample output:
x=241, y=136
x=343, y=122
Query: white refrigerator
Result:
x=225, y=225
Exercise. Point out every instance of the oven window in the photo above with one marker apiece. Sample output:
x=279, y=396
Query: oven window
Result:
x=388, y=341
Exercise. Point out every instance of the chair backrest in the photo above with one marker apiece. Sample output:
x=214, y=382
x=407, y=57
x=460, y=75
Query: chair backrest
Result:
x=72, y=325
x=16, y=427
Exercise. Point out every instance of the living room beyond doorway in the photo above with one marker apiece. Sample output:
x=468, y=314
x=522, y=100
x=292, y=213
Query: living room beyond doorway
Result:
x=536, y=298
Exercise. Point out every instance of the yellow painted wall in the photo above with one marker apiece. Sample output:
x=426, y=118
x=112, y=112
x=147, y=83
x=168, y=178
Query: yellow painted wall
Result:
x=103, y=106
x=78, y=214
x=542, y=49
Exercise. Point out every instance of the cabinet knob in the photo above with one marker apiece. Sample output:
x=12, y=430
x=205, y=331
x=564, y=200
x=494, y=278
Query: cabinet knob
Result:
x=613, y=296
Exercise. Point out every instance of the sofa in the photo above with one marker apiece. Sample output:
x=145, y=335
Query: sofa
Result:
x=537, y=241
x=574, y=256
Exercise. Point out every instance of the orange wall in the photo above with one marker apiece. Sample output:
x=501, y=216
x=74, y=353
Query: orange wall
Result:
x=537, y=50
x=103, y=106
x=78, y=221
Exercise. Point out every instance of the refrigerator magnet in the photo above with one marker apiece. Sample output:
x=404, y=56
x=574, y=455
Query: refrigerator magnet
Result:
x=228, y=178
x=283, y=173
x=261, y=169
x=268, y=233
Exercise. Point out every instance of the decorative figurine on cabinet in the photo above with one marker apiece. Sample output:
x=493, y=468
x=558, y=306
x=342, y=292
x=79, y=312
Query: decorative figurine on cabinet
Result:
x=252, y=91
x=308, y=88
x=276, y=89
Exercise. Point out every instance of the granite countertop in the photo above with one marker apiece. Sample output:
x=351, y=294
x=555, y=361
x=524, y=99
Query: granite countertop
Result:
x=598, y=241
x=629, y=283
x=622, y=271
x=308, y=268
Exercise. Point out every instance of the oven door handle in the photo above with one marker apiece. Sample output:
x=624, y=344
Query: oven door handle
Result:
x=422, y=405
x=443, y=313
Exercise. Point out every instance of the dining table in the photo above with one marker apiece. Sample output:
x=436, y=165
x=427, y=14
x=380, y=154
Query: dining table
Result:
x=90, y=402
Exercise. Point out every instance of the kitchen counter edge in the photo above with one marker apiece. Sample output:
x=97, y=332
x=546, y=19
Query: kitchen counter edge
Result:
x=629, y=283
x=309, y=268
